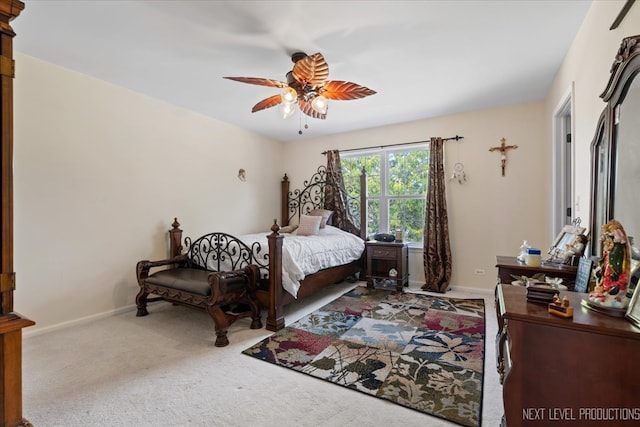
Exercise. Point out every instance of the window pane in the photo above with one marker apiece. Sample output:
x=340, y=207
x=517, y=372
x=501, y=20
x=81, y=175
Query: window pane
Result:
x=351, y=173
x=408, y=171
x=352, y=169
x=407, y=215
x=373, y=214
x=372, y=166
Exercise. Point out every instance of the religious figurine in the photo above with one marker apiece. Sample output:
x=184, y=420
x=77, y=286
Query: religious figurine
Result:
x=611, y=289
x=560, y=307
x=575, y=249
x=503, y=147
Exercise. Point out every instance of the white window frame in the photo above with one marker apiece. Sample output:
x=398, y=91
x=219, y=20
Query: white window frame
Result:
x=384, y=197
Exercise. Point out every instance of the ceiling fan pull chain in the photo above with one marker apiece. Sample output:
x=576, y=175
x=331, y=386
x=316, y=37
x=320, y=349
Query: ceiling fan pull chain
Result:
x=300, y=123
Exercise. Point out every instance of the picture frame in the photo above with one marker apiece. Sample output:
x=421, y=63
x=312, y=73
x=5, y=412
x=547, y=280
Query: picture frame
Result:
x=566, y=238
x=583, y=275
x=633, y=311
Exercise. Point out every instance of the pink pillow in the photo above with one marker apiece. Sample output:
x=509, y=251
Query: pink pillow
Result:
x=309, y=225
x=324, y=213
x=288, y=228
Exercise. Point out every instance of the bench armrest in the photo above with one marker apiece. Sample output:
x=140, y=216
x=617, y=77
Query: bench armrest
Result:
x=221, y=281
x=143, y=267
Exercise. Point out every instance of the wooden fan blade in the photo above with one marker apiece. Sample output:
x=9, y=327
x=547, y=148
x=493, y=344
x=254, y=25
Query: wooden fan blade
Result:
x=311, y=70
x=258, y=81
x=306, y=108
x=269, y=102
x=336, y=89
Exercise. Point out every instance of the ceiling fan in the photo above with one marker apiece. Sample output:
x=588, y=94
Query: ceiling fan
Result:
x=306, y=85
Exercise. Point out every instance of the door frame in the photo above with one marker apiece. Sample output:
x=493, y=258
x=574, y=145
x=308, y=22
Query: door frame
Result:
x=563, y=161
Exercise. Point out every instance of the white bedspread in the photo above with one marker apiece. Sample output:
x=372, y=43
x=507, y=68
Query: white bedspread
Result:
x=303, y=255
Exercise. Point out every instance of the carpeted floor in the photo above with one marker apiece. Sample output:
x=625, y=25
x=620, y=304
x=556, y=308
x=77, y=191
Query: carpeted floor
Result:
x=162, y=370
x=419, y=351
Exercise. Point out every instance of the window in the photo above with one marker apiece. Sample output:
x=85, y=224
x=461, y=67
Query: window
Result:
x=396, y=187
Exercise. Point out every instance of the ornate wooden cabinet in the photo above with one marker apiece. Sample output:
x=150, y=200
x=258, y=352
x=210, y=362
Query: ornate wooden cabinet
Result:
x=11, y=323
x=570, y=372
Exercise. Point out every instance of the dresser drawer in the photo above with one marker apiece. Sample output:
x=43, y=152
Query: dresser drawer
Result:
x=384, y=253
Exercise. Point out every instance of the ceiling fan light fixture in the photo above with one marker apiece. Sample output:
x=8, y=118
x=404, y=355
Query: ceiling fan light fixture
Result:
x=289, y=95
x=287, y=109
x=320, y=104
x=307, y=88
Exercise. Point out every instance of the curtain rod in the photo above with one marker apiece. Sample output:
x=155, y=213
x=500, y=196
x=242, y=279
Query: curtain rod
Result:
x=457, y=138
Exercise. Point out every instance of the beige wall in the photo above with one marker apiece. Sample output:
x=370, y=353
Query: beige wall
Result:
x=100, y=173
x=587, y=66
x=488, y=215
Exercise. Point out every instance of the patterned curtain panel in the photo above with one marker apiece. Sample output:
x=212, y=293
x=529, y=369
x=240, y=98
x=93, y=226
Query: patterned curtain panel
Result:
x=437, y=250
x=335, y=195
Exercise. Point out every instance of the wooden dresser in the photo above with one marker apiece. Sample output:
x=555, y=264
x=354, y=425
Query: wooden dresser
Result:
x=508, y=265
x=570, y=372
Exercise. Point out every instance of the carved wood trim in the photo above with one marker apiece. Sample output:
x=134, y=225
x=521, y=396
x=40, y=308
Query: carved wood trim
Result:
x=622, y=67
x=625, y=66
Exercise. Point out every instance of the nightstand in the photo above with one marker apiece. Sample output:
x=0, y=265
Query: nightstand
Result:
x=384, y=256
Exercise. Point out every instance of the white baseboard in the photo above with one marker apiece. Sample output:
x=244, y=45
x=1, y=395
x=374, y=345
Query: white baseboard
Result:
x=417, y=286
x=27, y=333
x=476, y=290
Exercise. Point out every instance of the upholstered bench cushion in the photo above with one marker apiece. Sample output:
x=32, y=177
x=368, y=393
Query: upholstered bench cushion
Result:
x=189, y=280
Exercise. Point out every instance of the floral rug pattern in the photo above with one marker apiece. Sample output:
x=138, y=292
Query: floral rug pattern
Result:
x=419, y=351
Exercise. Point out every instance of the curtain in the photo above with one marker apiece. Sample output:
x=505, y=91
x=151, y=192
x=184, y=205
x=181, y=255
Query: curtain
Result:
x=335, y=195
x=437, y=250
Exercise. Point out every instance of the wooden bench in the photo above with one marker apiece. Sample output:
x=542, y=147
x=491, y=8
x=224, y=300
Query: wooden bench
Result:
x=183, y=281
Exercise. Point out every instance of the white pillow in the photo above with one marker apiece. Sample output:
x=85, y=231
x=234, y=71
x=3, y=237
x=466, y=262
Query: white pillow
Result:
x=324, y=213
x=309, y=225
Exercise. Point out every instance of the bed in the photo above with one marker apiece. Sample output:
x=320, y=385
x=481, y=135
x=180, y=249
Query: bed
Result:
x=273, y=249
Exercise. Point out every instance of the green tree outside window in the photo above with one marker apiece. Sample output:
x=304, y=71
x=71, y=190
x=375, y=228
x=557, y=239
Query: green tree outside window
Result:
x=396, y=187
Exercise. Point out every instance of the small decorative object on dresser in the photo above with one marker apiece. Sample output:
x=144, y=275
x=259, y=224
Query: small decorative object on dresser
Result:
x=541, y=294
x=523, y=251
x=569, y=244
x=610, y=294
x=533, y=257
x=561, y=307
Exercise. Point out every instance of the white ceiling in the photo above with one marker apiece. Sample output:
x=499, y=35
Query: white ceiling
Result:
x=424, y=58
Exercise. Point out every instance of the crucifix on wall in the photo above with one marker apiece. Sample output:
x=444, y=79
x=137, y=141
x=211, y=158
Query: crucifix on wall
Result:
x=503, y=147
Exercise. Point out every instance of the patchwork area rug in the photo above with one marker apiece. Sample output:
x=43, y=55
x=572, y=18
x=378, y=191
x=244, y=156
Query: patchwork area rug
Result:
x=419, y=351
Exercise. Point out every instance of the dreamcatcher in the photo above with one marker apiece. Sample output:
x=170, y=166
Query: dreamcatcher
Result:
x=458, y=174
